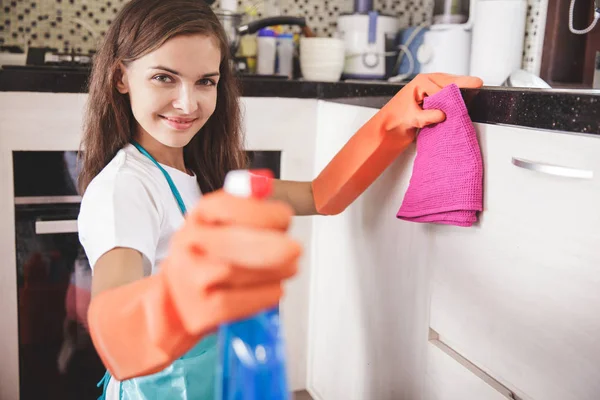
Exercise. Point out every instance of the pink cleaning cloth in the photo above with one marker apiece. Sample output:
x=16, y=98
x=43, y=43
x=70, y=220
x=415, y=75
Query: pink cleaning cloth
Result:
x=446, y=186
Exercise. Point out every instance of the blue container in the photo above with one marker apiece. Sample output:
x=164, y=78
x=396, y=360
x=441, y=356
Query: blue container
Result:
x=252, y=359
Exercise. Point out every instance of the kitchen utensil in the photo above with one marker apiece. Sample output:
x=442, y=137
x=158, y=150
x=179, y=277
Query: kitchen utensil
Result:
x=365, y=38
x=234, y=28
x=321, y=59
x=450, y=11
x=363, y=6
x=367, y=35
x=446, y=48
x=447, y=43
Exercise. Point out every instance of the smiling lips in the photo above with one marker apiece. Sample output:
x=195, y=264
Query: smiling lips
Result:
x=179, y=123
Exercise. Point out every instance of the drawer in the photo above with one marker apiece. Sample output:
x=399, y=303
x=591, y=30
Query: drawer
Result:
x=518, y=294
x=451, y=377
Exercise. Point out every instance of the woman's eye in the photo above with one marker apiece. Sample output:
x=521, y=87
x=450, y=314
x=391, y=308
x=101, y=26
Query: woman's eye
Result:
x=163, y=78
x=207, y=82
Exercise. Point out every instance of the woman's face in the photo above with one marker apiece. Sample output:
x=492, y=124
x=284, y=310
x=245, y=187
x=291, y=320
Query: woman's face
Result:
x=173, y=90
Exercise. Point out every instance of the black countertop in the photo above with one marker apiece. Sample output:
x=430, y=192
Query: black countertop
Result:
x=576, y=111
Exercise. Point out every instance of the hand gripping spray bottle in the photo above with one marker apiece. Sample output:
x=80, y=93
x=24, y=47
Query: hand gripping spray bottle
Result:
x=251, y=351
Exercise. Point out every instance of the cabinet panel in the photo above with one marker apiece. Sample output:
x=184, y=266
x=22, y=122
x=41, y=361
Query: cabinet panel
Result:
x=518, y=294
x=369, y=297
x=451, y=378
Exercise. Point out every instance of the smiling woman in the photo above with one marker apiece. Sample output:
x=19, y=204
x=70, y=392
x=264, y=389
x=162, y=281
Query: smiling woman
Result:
x=162, y=131
x=173, y=93
x=163, y=78
x=162, y=128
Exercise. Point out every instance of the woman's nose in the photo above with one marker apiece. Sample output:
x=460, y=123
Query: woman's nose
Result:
x=186, y=100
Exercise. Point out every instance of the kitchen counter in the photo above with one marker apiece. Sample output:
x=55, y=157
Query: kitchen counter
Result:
x=532, y=241
x=572, y=111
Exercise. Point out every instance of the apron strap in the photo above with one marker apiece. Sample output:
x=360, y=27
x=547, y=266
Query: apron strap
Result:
x=106, y=378
x=104, y=382
x=174, y=190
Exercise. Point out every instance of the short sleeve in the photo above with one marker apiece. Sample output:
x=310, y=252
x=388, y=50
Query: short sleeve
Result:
x=119, y=211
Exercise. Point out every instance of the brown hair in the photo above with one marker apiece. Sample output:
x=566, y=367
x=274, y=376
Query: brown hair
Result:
x=141, y=27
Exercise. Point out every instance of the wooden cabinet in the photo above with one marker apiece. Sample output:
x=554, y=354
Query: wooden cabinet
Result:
x=568, y=59
x=518, y=295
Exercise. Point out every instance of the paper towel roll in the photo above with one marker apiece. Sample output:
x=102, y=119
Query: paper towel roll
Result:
x=498, y=36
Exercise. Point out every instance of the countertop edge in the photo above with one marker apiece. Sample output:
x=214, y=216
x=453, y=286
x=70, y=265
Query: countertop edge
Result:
x=573, y=111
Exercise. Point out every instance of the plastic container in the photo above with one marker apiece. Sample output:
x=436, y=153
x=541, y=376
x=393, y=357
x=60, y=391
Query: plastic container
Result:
x=252, y=355
x=251, y=351
x=285, y=54
x=267, y=44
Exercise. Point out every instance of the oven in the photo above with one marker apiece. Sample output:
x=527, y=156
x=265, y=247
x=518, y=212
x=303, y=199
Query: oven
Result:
x=57, y=359
x=56, y=355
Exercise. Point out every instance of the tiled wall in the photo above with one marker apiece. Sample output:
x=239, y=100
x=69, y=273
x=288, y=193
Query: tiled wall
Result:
x=76, y=24
x=322, y=14
x=534, y=35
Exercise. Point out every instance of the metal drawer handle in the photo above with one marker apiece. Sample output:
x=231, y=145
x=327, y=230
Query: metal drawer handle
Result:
x=437, y=341
x=550, y=169
x=30, y=200
x=54, y=227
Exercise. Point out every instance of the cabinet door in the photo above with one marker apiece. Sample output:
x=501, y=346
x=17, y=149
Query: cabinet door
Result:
x=369, y=297
x=519, y=294
x=451, y=377
x=297, y=118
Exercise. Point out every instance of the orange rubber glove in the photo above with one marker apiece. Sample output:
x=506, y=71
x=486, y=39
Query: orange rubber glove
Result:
x=227, y=262
x=378, y=142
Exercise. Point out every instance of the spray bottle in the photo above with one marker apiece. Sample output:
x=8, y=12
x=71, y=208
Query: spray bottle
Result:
x=251, y=351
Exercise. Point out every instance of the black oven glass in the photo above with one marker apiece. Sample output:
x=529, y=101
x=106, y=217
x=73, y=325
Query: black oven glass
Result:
x=57, y=359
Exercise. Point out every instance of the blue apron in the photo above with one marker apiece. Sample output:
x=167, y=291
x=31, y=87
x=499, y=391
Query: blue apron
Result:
x=191, y=377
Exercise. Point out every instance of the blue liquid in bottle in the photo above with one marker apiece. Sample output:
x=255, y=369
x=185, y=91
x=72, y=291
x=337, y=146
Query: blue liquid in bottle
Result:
x=252, y=359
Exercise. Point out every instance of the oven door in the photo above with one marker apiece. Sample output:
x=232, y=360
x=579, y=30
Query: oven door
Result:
x=57, y=359
x=56, y=354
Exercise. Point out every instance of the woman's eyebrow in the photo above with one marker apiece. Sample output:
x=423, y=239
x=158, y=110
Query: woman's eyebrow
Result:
x=165, y=69
x=208, y=75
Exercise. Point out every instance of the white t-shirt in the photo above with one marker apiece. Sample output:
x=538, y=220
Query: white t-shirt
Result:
x=130, y=204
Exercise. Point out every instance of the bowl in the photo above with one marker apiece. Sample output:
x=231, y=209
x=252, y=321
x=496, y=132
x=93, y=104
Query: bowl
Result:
x=322, y=59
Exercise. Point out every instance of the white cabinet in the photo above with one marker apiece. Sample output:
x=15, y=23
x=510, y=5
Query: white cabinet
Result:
x=290, y=127
x=518, y=295
x=449, y=377
x=369, y=298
